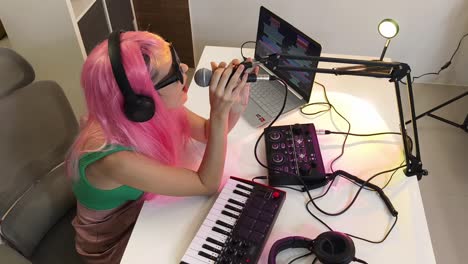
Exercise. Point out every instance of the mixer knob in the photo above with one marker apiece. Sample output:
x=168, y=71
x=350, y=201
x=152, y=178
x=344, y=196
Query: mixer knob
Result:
x=278, y=158
x=274, y=135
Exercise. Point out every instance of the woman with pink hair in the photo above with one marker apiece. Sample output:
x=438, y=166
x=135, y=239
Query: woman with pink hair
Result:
x=136, y=126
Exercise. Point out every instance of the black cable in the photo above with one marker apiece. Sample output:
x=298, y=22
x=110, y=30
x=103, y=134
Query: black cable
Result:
x=272, y=122
x=278, y=186
x=242, y=46
x=311, y=200
x=302, y=256
x=355, y=196
x=259, y=178
x=315, y=260
x=362, y=135
x=445, y=66
x=330, y=106
x=391, y=176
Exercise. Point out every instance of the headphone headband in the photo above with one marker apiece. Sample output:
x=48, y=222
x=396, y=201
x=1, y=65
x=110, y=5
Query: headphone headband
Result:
x=117, y=65
x=137, y=108
x=329, y=247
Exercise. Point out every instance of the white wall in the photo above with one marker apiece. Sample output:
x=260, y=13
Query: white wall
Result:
x=45, y=34
x=429, y=29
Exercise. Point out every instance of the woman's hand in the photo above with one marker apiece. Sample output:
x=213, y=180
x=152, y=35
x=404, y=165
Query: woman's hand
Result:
x=225, y=91
x=242, y=101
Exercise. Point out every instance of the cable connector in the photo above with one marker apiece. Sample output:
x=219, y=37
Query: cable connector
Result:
x=322, y=132
x=446, y=65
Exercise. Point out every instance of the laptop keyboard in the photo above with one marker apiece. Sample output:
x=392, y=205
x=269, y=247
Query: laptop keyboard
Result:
x=269, y=98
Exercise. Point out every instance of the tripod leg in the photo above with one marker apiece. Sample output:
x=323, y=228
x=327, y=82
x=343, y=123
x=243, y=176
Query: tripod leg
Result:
x=439, y=106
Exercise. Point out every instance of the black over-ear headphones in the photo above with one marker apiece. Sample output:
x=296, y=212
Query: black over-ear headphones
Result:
x=137, y=107
x=329, y=247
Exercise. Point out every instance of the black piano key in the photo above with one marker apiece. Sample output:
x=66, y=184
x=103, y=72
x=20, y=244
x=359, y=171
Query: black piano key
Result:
x=236, y=202
x=219, y=230
x=214, y=241
x=221, y=223
x=229, y=214
x=244, y=187
x=241, y=193
x=210, y=248
x=227, y=206
x=208, y=256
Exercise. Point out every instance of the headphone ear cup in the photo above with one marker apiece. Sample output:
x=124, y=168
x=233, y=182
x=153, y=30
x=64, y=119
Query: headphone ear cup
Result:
x=139, y=109
x=334, y=248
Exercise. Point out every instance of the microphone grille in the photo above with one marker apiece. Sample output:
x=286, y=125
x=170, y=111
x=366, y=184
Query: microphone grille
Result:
x=202, y=77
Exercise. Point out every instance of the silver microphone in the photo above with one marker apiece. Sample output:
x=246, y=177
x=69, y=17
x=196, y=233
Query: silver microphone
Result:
x=202, y=77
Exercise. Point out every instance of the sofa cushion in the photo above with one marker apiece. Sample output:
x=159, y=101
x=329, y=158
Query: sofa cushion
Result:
x=15, y=71
x=10, y=256
x=38, y=210
x=58, y=245
x=38, y=127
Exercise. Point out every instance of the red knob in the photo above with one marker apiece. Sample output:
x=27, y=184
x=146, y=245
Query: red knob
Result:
x=276, y=194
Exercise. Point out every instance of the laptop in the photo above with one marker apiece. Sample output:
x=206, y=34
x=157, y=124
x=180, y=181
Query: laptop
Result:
x=274, y=35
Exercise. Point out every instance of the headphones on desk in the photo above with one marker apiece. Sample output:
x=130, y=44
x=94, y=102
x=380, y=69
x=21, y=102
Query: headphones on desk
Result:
x=329, y=248
x=137, y=107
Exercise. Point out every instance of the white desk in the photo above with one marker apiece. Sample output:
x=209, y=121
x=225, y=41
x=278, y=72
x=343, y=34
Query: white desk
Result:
x=167, y=225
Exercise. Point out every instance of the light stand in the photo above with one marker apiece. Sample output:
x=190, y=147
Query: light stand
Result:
x=394, y=71
x=388, y=28
x=463, y=126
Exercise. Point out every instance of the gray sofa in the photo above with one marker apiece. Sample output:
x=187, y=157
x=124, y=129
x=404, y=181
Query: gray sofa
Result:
x=36, y=202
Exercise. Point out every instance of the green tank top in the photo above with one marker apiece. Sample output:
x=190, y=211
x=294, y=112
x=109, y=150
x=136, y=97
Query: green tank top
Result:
x=98, y=199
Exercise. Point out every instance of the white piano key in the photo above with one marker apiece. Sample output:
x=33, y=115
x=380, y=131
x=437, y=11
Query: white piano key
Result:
x=194, y=254
x=213, y=224
x=225, y=201
x=211, y=228
x=198, y=247
x=234, y=187
x=245, y=184
x=203, y=241
x=212, y=233
x=233, y=196
x=191, y=260
x=204, y=236
x=221, y=208
x=204, y=233
x=224, y=218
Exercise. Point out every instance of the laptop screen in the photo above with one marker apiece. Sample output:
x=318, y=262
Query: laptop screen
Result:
x=275, y=35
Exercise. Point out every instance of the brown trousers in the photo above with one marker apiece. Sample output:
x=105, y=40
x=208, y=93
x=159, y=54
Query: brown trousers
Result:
x=101, y=236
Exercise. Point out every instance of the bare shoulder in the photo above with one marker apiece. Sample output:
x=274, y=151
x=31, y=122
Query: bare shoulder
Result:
x=101, y=173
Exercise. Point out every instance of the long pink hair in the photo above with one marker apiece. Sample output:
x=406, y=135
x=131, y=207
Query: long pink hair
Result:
x=160, y=138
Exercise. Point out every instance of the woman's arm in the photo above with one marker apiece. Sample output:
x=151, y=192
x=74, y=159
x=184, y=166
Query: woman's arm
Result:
x=200, y=126
x=144, y=173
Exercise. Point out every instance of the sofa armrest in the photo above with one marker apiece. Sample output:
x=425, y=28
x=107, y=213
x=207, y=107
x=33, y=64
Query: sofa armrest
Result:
x=10, y=256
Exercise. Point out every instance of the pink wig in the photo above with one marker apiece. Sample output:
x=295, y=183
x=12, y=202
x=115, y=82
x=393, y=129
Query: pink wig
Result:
x=160, y=138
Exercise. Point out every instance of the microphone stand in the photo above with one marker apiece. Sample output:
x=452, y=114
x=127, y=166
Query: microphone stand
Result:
x=394, y=71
